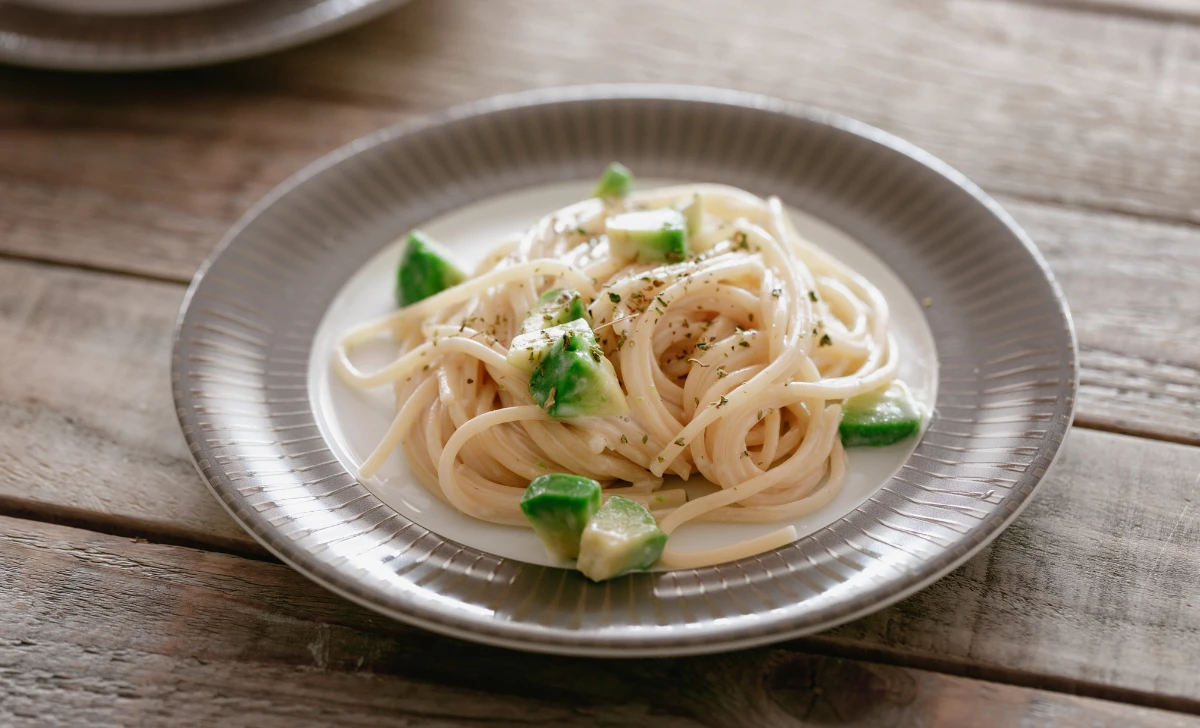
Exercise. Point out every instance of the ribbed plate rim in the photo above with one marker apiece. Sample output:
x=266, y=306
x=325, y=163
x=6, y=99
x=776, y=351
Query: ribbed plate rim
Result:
x=106, y=49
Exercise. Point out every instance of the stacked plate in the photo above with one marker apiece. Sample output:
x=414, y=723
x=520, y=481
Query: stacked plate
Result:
x=128, y=35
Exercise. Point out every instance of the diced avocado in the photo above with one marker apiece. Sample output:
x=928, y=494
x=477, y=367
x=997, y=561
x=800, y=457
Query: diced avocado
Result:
x=693, y=214
x=558, y=507
x=423, y=271
x=616, y=181
x=572, y=377
x=621, y=537
x=880, y=418
x=649, y=235
x=554, y=307
x=527, y=350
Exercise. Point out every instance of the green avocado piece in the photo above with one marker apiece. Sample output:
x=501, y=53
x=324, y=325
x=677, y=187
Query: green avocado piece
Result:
x=558, y=507
x=622, y=536
x=553, y=308
x=649, y=235
x=423, y=271
x=880, y=418
x=571, y=377
x=528, y=349
x=616, y=181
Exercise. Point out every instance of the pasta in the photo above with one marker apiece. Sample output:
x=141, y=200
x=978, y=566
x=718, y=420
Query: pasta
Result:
x=733, y=361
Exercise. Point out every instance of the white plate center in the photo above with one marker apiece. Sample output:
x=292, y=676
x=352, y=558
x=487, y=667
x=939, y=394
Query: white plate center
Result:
x=354, y=421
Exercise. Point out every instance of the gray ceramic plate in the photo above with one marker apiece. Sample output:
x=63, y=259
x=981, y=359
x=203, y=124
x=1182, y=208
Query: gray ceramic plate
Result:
x=248, y=386
x=31, y=36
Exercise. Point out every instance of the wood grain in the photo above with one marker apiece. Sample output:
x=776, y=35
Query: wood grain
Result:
x=1093, y=583
x=145, y=173
x=1060, y=106
x=87, y=428
x=1130, y=285
x=102, y=631
x=1085, y=123
x=1087, y=109
x=1095, y=573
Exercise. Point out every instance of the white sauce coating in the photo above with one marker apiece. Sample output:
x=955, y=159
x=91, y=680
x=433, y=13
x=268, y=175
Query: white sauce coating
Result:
x=734, y=363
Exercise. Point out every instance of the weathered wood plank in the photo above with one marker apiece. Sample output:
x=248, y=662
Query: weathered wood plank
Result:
x=101, y=631
x=1088, y=589
x=1062, y=106
x=1094, y=574
x=1095, y=581
x=87, y=428
x=1130, y=285
x=145, y=173
x=1082, y=108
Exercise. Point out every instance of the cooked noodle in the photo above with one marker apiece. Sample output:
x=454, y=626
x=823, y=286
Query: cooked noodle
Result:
x=734, y=363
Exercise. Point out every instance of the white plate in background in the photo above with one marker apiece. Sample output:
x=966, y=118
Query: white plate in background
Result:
x=123, y=7
x=143, y=35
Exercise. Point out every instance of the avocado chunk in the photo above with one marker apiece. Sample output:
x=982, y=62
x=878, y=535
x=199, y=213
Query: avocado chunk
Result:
x=649, y=235
x=616, y=181
x=528, y=349
x=571, y=377
x=553, y=308
x=622, y=536
x=558, y=507
x=880, y=418
x=423, y=271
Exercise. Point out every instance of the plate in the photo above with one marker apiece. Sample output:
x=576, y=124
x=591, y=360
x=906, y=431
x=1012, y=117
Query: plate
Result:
x=991, y=340
x=206, y=31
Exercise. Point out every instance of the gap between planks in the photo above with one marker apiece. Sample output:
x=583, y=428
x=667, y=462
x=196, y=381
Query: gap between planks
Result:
x=71, y=263
x=837, y=647
x=130, y=528
x=1157, y=11
x=1143, y=433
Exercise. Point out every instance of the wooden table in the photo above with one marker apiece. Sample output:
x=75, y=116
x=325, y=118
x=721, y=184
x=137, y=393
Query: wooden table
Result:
x=128, y=597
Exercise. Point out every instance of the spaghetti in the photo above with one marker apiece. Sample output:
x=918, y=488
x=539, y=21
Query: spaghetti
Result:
x=734, y=362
